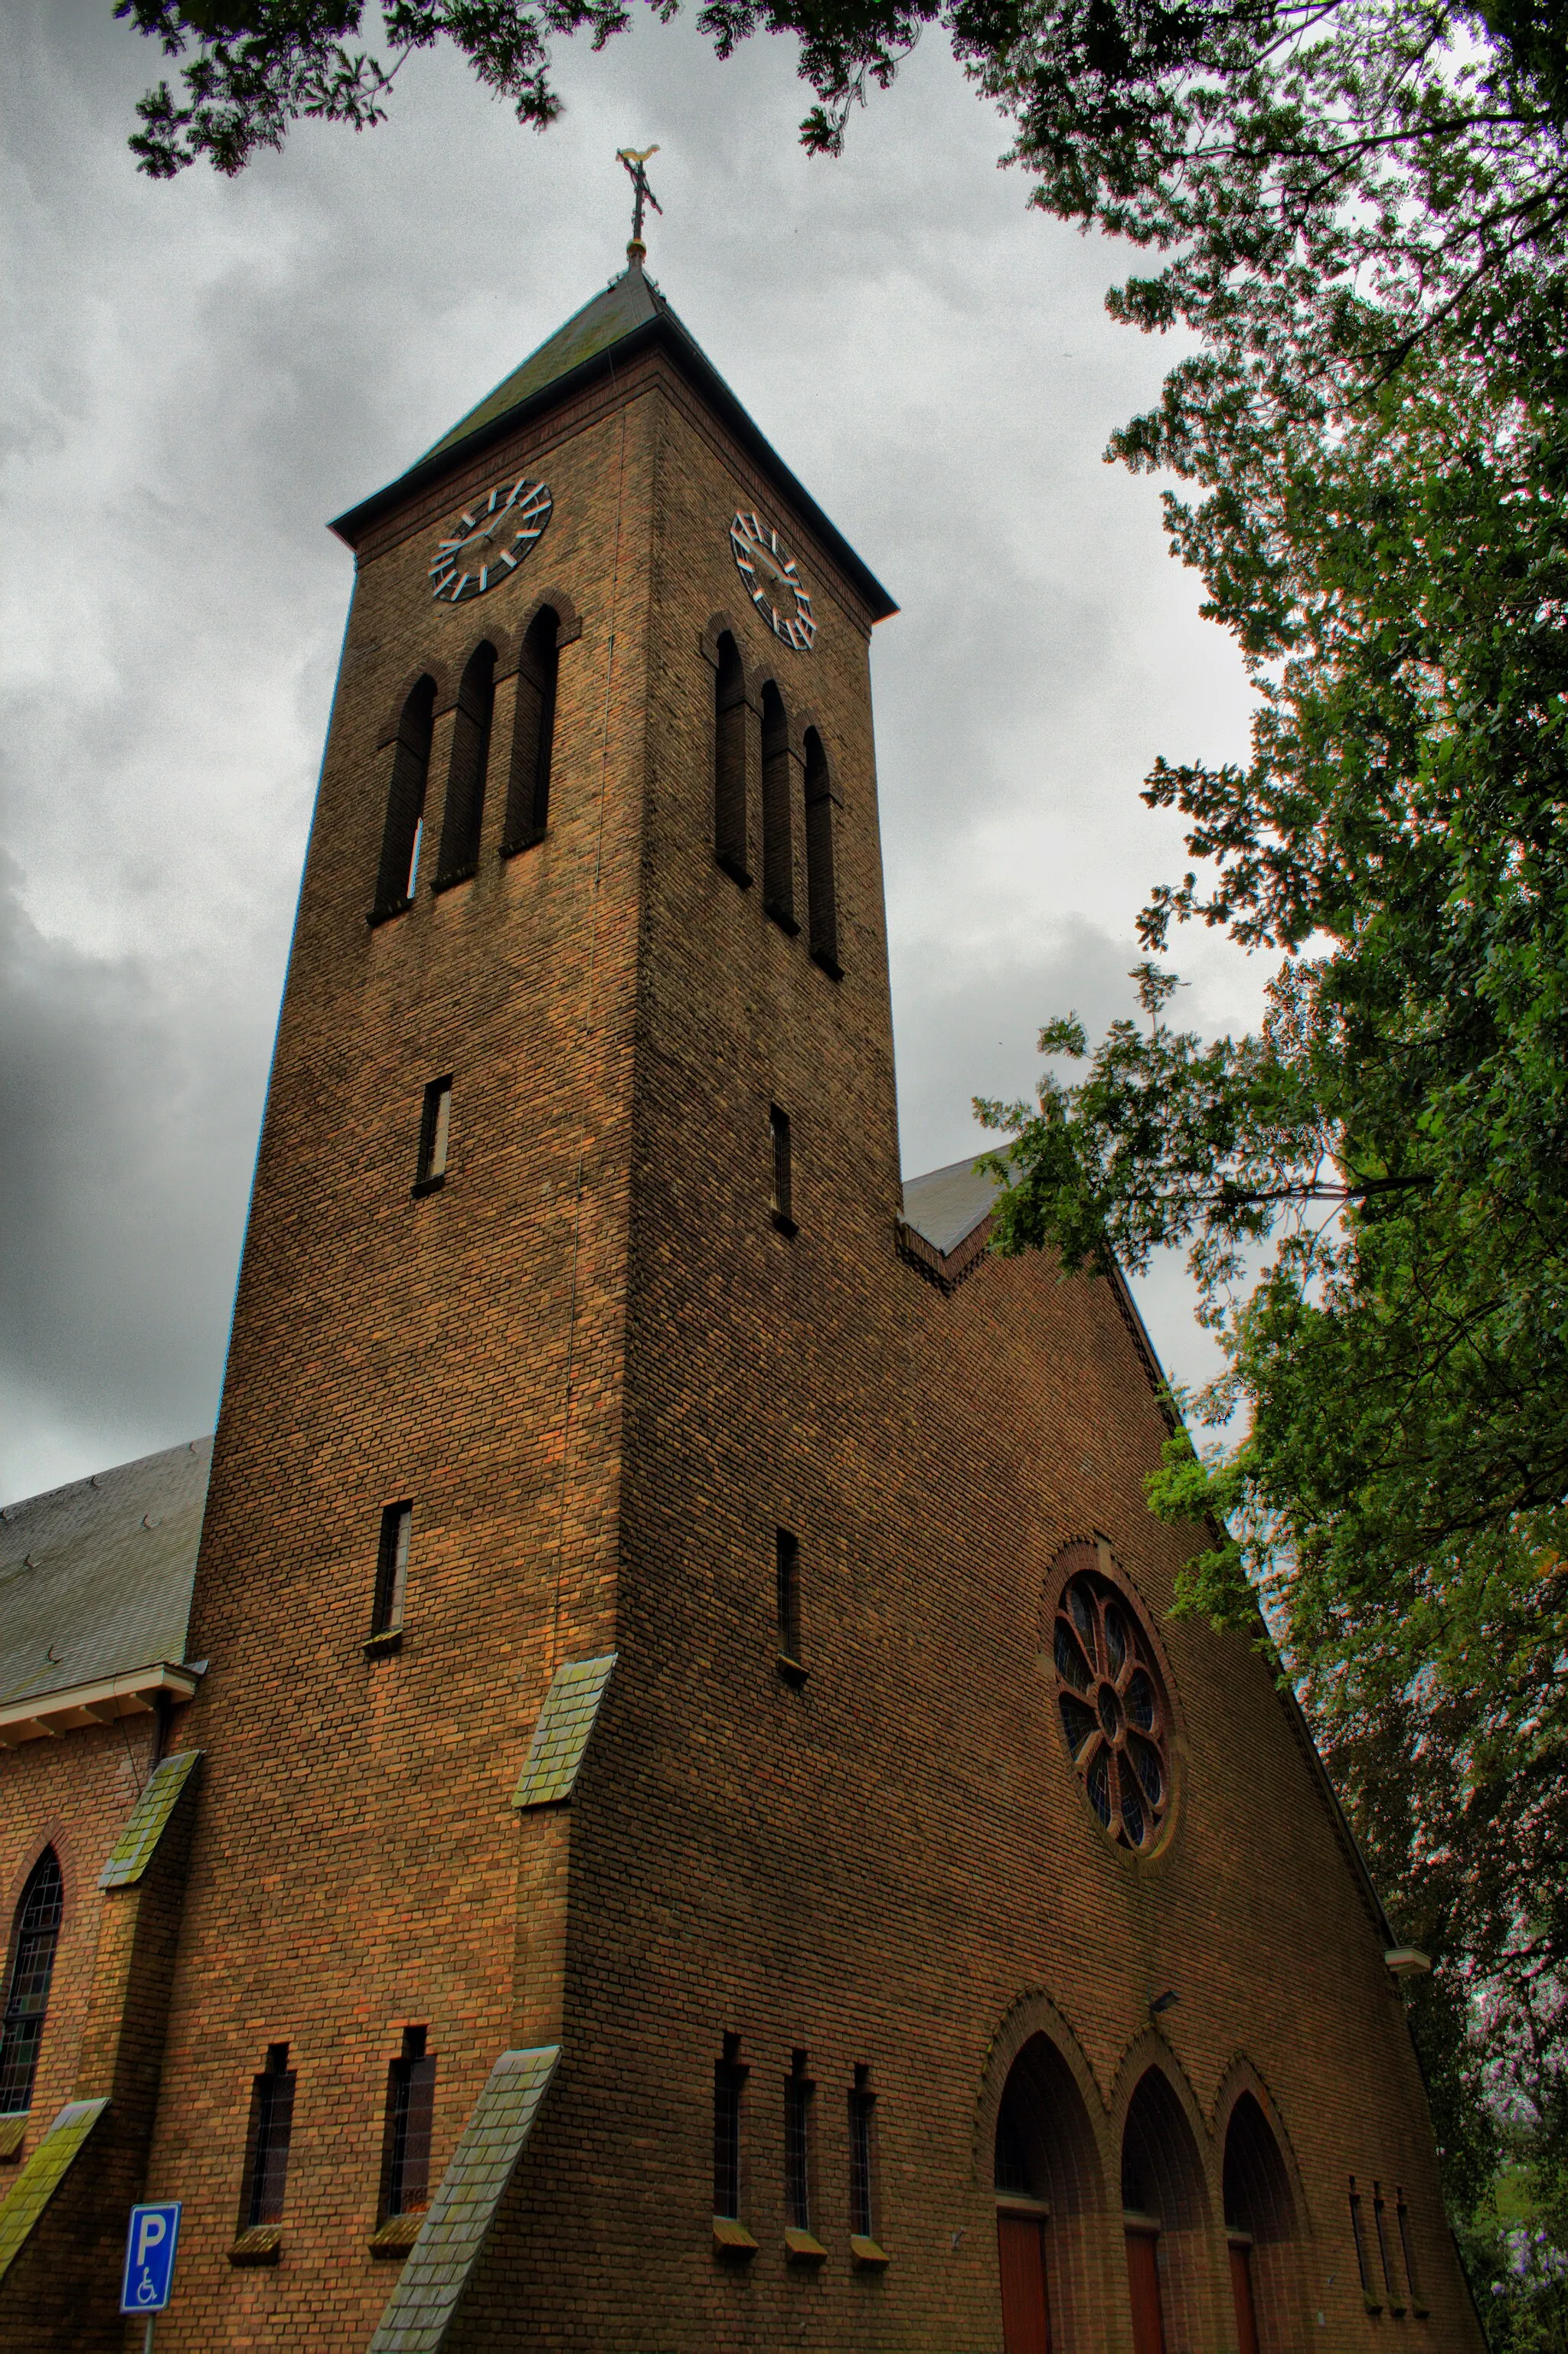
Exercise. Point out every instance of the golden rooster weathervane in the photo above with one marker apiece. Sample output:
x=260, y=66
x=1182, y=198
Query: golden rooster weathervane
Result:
x=636, y=163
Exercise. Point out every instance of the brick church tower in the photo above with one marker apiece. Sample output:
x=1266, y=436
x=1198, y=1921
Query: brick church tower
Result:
x=706, y=1837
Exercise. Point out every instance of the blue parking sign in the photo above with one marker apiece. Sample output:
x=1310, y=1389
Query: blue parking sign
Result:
x=150, y=2246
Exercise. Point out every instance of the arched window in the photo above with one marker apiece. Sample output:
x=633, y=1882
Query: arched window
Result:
x=1163, y=2211
x=777, y=841
x=405, y=825
x=465, y=778
x=34, y=1939
x=729, y=762
x=1048, y=2194
x=822, y=893
x=533, y=735
x=1260, y=2225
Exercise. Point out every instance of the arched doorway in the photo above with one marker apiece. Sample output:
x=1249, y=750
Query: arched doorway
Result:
x=1163, y=2214
x=1260, y=2227
x=1048, y=2190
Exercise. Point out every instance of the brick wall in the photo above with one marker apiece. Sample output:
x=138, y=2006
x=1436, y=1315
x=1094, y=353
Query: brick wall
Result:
x=72, y=1794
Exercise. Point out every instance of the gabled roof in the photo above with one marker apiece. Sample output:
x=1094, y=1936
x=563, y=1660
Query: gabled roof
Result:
x=631, y=316
x=95, y=1578
x=947, y=1204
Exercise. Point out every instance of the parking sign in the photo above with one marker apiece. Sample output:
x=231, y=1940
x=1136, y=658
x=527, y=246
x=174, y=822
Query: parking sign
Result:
x=150, y=2246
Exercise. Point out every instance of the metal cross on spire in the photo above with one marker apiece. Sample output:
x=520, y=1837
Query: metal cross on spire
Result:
x=636, y=163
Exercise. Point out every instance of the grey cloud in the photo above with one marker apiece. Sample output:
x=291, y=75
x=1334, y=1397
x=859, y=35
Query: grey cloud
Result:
x=132, y=1107
x=199, y=374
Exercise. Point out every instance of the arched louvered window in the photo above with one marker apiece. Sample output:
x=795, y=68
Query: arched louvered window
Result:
x=821, y=891
x=729, y=762
x=33, y=1943
x=533, y=735
x=777, y=841
x=465, y=779
x=402, y=834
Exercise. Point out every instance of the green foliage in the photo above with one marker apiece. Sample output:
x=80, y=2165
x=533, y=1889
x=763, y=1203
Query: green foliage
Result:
x=251, y=69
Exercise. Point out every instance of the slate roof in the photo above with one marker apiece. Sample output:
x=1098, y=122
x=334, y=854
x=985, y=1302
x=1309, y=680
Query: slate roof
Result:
x=947, y=1204
x=630, y=316
x=23, y=2205
x=421, y=2307
x=628, y=303
x=95, y=1578
x=561, y=1737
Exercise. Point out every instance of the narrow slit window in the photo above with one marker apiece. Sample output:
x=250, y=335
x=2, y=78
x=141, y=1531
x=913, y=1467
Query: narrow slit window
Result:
x=1358, y=2234
x=1407, y=2251
x=730, y=716
x=410, y=2115
x=533, y=735
x=821, y=887
x=402, y=834
x=778, y=832
x=729, y=2082
x=782, y=1200
x=34, y=1937
x=435, y=1130
x=787, y=1590
x=861, y=2102
x=392, y=1568
x=272, y=2129
x=1385, y=2260
x=797, y=2090
x=464, y=810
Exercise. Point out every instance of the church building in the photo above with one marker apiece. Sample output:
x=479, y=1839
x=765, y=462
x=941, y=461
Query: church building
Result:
x=642, y=1796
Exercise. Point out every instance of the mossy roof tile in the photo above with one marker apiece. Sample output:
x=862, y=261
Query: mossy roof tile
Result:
x=561, y=1736
x=41, y=2176
x=148, y=1820
x=420, y=2309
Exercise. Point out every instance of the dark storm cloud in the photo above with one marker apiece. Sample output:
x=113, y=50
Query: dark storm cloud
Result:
x=125, y=1154
x=199, y=374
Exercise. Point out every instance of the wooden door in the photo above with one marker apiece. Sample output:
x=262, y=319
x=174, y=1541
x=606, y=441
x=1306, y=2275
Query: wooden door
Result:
x=1241, y=2289
x=1143, y=2279
x=1025, y=2317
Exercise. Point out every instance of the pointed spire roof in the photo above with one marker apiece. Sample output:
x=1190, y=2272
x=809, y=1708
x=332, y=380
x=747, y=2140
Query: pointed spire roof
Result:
x=630, y=316
x=628, y=303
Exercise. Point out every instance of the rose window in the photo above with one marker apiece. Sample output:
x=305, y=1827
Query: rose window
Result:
x=1113, y=1710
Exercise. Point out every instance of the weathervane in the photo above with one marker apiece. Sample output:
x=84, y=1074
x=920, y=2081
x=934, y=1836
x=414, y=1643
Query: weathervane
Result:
x=636, y=163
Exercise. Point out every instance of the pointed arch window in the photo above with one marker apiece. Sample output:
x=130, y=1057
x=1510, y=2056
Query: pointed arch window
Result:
x=533, y=734
x=778, y=833
x=402, y=834
x=730, y=761
x=34, y=1938
x=822, y=889
x=465, y=779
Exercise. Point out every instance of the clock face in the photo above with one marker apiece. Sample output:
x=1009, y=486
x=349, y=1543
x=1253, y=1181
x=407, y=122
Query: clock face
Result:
x=772, y=579
x=486, y=544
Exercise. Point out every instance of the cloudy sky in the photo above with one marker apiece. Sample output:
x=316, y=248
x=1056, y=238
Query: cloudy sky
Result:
x=200, y=373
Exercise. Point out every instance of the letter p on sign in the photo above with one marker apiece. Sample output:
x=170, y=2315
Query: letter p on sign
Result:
x=150, y=2245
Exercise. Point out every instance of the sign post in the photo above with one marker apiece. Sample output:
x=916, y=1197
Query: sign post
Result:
x=150, y=2245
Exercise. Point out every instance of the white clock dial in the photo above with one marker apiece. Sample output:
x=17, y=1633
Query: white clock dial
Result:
x=484, y=545
x=772, y=579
